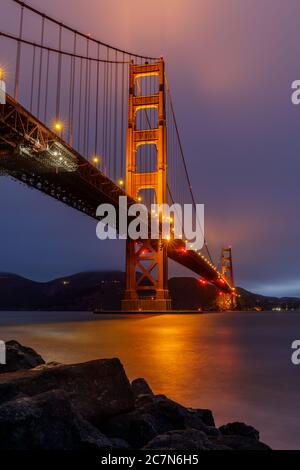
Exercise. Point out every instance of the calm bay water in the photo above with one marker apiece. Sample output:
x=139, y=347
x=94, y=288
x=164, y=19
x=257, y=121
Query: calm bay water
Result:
x=237, y=364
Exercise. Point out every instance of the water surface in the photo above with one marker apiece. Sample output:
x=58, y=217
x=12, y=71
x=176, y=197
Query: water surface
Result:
x=237, y=364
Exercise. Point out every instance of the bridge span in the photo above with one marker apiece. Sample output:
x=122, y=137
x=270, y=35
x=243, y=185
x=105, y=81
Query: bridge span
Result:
x=85, y=123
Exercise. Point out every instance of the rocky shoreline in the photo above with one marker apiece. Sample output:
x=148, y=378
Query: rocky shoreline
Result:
x=93, y=406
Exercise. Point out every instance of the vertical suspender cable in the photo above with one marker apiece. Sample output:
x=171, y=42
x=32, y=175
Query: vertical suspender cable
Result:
x=97, y=102
x=79, y=105
x=18, y=58
x=59, y=65
x=106, y=112
x=115, y=117
x=89, y=108
x=46, y=86
x=103, y=114
x=32, y=79
x=122, y=119
x=72, y=91
x=86, y=99
x=110, y=117
x=41, y=66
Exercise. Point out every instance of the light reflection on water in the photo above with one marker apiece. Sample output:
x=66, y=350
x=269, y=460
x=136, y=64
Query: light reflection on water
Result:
x=236, y=364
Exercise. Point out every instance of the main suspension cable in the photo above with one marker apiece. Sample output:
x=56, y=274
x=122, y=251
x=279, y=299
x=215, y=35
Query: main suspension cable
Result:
x=73, y=30
x=184, y=162
x=58, y=51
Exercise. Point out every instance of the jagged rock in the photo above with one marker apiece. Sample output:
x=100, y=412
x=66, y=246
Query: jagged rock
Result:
x=187, y=439
x=47, y=422
x=140, y=387
x=205, y=415
x=48, y=365
x=154, y=415
x=97, y=389
x=19, y=357
x=239, y=429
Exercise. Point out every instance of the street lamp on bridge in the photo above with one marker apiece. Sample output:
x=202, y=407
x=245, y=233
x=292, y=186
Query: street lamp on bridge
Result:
x=58, y=127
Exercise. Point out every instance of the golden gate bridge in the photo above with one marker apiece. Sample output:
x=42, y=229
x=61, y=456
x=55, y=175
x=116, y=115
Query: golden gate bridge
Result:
x=85, y=122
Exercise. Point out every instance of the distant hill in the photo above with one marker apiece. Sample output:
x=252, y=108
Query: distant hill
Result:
x=248, y=300
x=104, y=289
x=83, y=291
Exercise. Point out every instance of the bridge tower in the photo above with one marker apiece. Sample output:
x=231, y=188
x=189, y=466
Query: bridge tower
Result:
x=146, y=260
x=227, y=301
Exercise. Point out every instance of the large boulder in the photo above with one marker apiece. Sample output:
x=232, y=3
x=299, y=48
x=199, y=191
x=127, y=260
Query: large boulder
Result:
x=239, y=436
x=20, y=357
x=152, y=416
x=47, y=422
x=234, y=442
x=98, y=389
x=239, y=429
x=205, y=415
x=140, y=387
x=194, y=439
x=188, y=439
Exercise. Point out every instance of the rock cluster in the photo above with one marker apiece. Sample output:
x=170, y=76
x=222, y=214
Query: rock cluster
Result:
x=94, y=406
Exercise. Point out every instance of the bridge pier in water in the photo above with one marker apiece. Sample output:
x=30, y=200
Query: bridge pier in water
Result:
x=146, y=260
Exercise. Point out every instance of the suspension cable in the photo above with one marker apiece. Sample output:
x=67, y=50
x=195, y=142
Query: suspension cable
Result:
x=184, y=161
x=17, y=78
x=73, y=30
x=57, y=51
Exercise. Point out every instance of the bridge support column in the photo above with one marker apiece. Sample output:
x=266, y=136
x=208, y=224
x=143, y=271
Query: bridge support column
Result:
x=227, y=301
x=146, y=260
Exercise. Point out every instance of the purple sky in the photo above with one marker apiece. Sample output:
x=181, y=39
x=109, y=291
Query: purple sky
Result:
x=230, y=64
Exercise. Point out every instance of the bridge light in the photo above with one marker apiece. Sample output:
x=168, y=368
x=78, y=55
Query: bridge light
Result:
x=2, y=73
x=58, y=126
x=96, y=160
x=121, y=182
x=140, y=198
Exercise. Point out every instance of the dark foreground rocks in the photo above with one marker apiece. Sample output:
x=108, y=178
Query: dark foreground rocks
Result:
x=140, y=387
x=19, y=357
x=97, y=389
x=94, y=406
x=154, y=415
x=47, y=422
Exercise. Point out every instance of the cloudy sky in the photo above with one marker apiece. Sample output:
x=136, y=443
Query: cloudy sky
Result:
x=230, y=64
